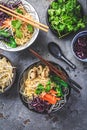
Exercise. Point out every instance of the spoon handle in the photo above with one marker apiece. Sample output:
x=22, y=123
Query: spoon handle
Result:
x=68, y=62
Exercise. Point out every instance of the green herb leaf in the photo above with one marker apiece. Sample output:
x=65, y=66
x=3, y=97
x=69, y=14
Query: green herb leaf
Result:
x=4, y=33
x=40, y=89
x=19, y=33
x=59, y=91
x=65, y=17
x=16, y=24
x=12, y=42
x=19, y=11
x=30, y=28
x=48, y=88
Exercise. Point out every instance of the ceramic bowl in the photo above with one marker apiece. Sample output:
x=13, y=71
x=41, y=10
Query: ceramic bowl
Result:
x=30, y=9
x=2, y=74
x=52, y=108
x=79, y=46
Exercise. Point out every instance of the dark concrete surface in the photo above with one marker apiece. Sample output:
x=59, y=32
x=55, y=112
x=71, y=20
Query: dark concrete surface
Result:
x=15, y=116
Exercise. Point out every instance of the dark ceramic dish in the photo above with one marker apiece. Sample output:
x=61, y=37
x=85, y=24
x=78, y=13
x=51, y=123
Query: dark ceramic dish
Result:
x=63, y=35
x=14, y=74
x=79, y=48
x=24, y=75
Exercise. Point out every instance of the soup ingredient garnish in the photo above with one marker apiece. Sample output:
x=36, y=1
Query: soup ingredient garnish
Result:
x=51, y=97
x=30, y=28
x=19, y=11
x=17, y=25
x=39, y=89
x=39, y=105
x=65, y=16
x=7, y=38
x=80, y=47
x=11, y=42
x=4, y=33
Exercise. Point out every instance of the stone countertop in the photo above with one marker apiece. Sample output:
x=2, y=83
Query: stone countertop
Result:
x=15, y=116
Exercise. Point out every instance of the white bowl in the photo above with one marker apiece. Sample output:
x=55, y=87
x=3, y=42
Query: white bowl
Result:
x=34, y=14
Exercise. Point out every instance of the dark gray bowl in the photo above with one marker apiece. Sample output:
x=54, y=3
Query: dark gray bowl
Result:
x=14, y=74
x=80, y=34
x=24, y=76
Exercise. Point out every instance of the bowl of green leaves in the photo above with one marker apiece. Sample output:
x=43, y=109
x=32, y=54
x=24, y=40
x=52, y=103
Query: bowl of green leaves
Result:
x=65, y=17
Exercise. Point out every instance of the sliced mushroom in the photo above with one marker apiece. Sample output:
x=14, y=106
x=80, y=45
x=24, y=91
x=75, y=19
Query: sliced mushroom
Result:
x=39, y=70
x=32, y=73
x=45, y=72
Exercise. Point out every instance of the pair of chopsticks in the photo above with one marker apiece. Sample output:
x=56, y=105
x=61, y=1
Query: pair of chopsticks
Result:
x=58, y=72
x=23, y=18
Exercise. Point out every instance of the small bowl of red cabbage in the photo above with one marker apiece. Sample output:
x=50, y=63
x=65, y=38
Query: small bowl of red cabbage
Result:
x=79, y=46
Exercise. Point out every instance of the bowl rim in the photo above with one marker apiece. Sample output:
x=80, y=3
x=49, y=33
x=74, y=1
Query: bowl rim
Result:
x=5, y=47
x=30, y=66
x=74, y=41
x=14, y=74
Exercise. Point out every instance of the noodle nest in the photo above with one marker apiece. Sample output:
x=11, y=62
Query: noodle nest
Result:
x=6, y=74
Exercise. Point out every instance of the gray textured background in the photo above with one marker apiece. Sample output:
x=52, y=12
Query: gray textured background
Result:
x=15, y=116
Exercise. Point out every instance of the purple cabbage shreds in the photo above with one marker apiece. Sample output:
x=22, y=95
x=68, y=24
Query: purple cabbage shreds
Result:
x=12, y=5
x=80, y=47
x=3, y=17
x=16, y=4
x=39, y=105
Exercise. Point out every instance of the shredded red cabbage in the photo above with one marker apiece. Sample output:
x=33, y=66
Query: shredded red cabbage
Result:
x=39, y=105
x=11, y=5
x=80, y=47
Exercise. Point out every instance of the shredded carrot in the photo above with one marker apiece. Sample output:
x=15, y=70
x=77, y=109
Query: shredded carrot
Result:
x=53, y=91
x=6, y=24
x=50, y=98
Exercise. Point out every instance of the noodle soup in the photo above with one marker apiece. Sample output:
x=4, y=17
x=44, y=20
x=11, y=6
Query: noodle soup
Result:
x=15, y=34
x=41, y=90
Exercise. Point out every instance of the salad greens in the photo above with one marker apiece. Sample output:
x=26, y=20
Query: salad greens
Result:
x=65, y=16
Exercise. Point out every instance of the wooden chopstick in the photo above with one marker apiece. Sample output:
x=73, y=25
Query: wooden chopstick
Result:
x=53, y=68
x=23, y=18
x=32, y=20
x=58, y=72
